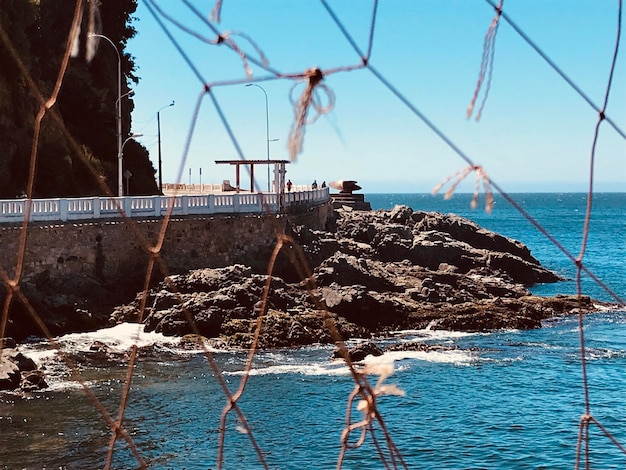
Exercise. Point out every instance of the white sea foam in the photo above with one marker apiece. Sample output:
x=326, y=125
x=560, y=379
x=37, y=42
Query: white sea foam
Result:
x=439, y=335
x=121, y=338
x=456, y=356
x=118, y=340
x=338, y=367
x=325, y=368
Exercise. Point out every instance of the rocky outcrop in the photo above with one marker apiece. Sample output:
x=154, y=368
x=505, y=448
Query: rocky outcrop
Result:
x=17, y=371
x=378, y=271
x=430, y=239
x=63, y=304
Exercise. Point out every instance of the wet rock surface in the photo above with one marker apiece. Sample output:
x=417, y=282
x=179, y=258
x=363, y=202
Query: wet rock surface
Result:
x=375, y=272
x=17, y=371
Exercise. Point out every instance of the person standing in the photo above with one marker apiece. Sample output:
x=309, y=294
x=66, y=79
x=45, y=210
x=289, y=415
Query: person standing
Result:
x=289, y=185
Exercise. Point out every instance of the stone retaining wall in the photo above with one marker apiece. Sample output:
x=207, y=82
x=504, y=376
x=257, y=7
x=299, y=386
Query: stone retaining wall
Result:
x=113, y=250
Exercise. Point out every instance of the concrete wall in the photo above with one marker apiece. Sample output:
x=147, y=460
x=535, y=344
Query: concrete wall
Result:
x=113, y=250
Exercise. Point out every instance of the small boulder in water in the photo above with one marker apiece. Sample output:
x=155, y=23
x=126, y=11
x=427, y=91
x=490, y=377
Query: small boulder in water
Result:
x=19, y=371
x=360, y=352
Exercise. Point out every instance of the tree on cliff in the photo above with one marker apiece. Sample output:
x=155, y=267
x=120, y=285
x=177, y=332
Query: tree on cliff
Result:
x=35, y=33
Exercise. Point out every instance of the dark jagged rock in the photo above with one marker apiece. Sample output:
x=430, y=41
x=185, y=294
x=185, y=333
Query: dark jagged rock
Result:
x=10, y=375
x=429, y=239
x=360, y=352
x=33, y=380
x=17, y=371
x=64, y=304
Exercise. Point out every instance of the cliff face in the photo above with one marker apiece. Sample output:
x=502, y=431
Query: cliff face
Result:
x=76, y=146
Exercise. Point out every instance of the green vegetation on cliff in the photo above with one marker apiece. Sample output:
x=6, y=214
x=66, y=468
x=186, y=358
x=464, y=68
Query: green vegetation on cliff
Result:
x=33, y=39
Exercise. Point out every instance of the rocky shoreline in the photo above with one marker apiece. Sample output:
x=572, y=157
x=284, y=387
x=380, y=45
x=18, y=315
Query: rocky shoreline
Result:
x=372, y=273
x=369, y=274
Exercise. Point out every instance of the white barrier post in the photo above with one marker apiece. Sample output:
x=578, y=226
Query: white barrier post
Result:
x=95, y=201
x=63, y=209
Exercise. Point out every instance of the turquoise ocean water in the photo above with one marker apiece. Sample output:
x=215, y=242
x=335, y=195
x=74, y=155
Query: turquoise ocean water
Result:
x=504, y=400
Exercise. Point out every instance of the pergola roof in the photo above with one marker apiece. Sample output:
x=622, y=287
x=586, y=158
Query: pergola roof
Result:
x=238, y=163
x=249, y=162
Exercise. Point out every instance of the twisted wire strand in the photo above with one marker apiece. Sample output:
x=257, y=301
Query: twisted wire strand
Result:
x=584, y=424
x=216, y=12
x=308, y=99
x=263, y=63
x=556, y=68
x=486, y=64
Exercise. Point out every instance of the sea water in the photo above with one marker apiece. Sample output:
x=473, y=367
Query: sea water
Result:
x=503, y=400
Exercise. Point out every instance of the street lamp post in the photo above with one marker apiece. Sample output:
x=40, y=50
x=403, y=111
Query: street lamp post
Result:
x=132, y=136
x=118, y=106
x=267, y=131
x=159, y=134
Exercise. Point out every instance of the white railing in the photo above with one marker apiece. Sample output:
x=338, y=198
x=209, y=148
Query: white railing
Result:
x=64, y=209
x=193, y=188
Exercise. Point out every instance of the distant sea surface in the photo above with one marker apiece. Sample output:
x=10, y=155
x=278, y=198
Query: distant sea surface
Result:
x=504, y=400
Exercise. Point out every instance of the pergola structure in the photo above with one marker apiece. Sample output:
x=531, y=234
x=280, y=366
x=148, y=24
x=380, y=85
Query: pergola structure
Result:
x=279, y=172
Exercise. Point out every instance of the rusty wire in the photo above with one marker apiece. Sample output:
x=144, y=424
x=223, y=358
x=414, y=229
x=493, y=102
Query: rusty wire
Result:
x=313, y=79
x=486, y=65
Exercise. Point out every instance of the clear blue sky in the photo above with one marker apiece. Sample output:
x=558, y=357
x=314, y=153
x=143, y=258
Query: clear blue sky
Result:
x=535, y=133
